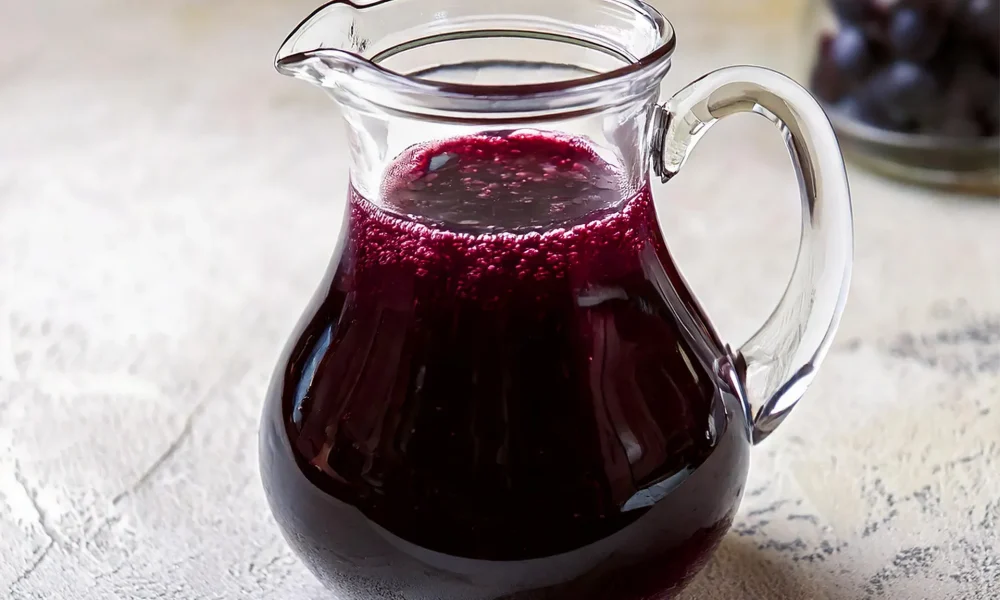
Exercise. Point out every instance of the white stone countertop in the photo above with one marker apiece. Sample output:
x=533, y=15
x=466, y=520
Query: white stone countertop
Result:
x=168, y=203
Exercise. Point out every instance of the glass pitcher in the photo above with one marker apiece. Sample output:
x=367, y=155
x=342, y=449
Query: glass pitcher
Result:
x=503, y=388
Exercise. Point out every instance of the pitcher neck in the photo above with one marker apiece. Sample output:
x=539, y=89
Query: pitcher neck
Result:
x=383, y=144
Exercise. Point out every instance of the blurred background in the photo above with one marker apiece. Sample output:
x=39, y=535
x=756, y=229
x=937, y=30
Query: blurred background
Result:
x=168, y=204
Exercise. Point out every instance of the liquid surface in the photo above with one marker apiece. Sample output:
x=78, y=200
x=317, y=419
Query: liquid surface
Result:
x=527, y=413
x=514, y=181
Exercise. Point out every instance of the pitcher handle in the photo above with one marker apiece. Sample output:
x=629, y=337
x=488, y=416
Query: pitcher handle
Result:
x=778, y=362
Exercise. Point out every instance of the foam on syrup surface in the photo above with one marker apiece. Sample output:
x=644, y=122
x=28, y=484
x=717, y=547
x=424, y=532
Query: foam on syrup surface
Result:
x=591, y=231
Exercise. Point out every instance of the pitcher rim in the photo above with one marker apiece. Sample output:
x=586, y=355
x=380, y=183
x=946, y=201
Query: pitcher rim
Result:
x=661, y=53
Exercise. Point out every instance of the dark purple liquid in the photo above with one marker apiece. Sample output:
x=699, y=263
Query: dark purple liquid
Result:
x=504, y=391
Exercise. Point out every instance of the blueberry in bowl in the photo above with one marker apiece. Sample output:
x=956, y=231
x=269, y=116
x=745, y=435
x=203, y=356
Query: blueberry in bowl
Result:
x=913, y=87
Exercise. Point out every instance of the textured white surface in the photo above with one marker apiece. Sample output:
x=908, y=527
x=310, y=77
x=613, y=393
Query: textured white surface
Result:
x=167, y=204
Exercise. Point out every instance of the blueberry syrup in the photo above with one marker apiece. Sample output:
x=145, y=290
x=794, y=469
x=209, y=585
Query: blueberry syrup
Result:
x=504, y=390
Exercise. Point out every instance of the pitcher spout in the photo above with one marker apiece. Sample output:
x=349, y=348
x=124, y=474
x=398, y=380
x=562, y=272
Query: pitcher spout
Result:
x=325, y=46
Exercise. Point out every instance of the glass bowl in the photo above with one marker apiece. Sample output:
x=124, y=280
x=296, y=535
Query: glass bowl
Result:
x=954, y=163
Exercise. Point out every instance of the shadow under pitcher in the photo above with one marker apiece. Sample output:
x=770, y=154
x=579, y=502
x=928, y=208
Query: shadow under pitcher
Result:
x=503, y=388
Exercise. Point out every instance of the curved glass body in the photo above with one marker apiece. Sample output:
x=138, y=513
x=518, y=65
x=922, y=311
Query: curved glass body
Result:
x=470, y=414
